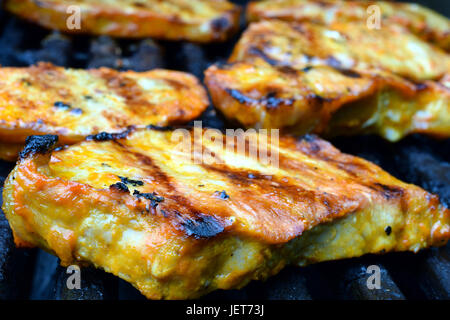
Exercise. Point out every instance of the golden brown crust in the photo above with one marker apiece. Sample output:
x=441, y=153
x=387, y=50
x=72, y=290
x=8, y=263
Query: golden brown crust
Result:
x=200, y=21
x=339, y=79
x=73, y=104
x=125, y=204
x=328, y=101
x=346, y=46
x=425, y=23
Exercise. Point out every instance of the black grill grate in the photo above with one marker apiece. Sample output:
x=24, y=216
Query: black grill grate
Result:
x=34, y=274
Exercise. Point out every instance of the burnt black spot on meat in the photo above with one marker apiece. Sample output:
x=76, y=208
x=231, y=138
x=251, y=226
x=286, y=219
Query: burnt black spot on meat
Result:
x=160, y=128
x=312, y=142
x=270, y=100
x=26, y=82
x=389, y=192
x=236, y=94
x=306, y=69
x=202, y=227
x=154, y=199
x=134, y=183
x=309, y=137
x=105, y=136
x=66, y=107
x=421, y=86
x=119, y=186
x=222, y=195
x=220, y=24
x=62, y=105
x=38, y=144
x=319, y=99
x=287, y=70
x=258, y=52
x=388, y=230
x=76, y=111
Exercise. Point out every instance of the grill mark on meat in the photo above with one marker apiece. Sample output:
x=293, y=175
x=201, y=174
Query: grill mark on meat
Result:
x=260, y=53
x=312, y=148
x=389, y=192
x=318, y=203
x=128, y=89
x=349, y=73
x=176, y=84
x=192, y=222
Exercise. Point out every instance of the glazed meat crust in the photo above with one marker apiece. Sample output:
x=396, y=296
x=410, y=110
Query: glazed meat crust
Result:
x=342, y=46
x=199, y=21
x=123, y=203
x=425, y=23
x=341, y=79
x=73, y=104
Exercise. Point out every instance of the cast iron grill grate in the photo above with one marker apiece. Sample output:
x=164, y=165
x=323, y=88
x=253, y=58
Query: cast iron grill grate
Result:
x=34, y=274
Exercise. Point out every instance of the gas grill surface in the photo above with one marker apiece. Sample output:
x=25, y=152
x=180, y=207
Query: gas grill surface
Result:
x=34, y=274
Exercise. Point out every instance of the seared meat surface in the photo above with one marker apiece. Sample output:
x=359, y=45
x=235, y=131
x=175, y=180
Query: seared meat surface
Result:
x=340, y=79
x=200, y=20
x=425, y=23
x=124, y=203
x=343, y=46
x=73, y=104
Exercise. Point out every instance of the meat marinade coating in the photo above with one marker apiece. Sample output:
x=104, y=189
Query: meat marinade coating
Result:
x=199, y=21
x=333, y=80
x=125, y=203
x=423, y=22
x=74, y=103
